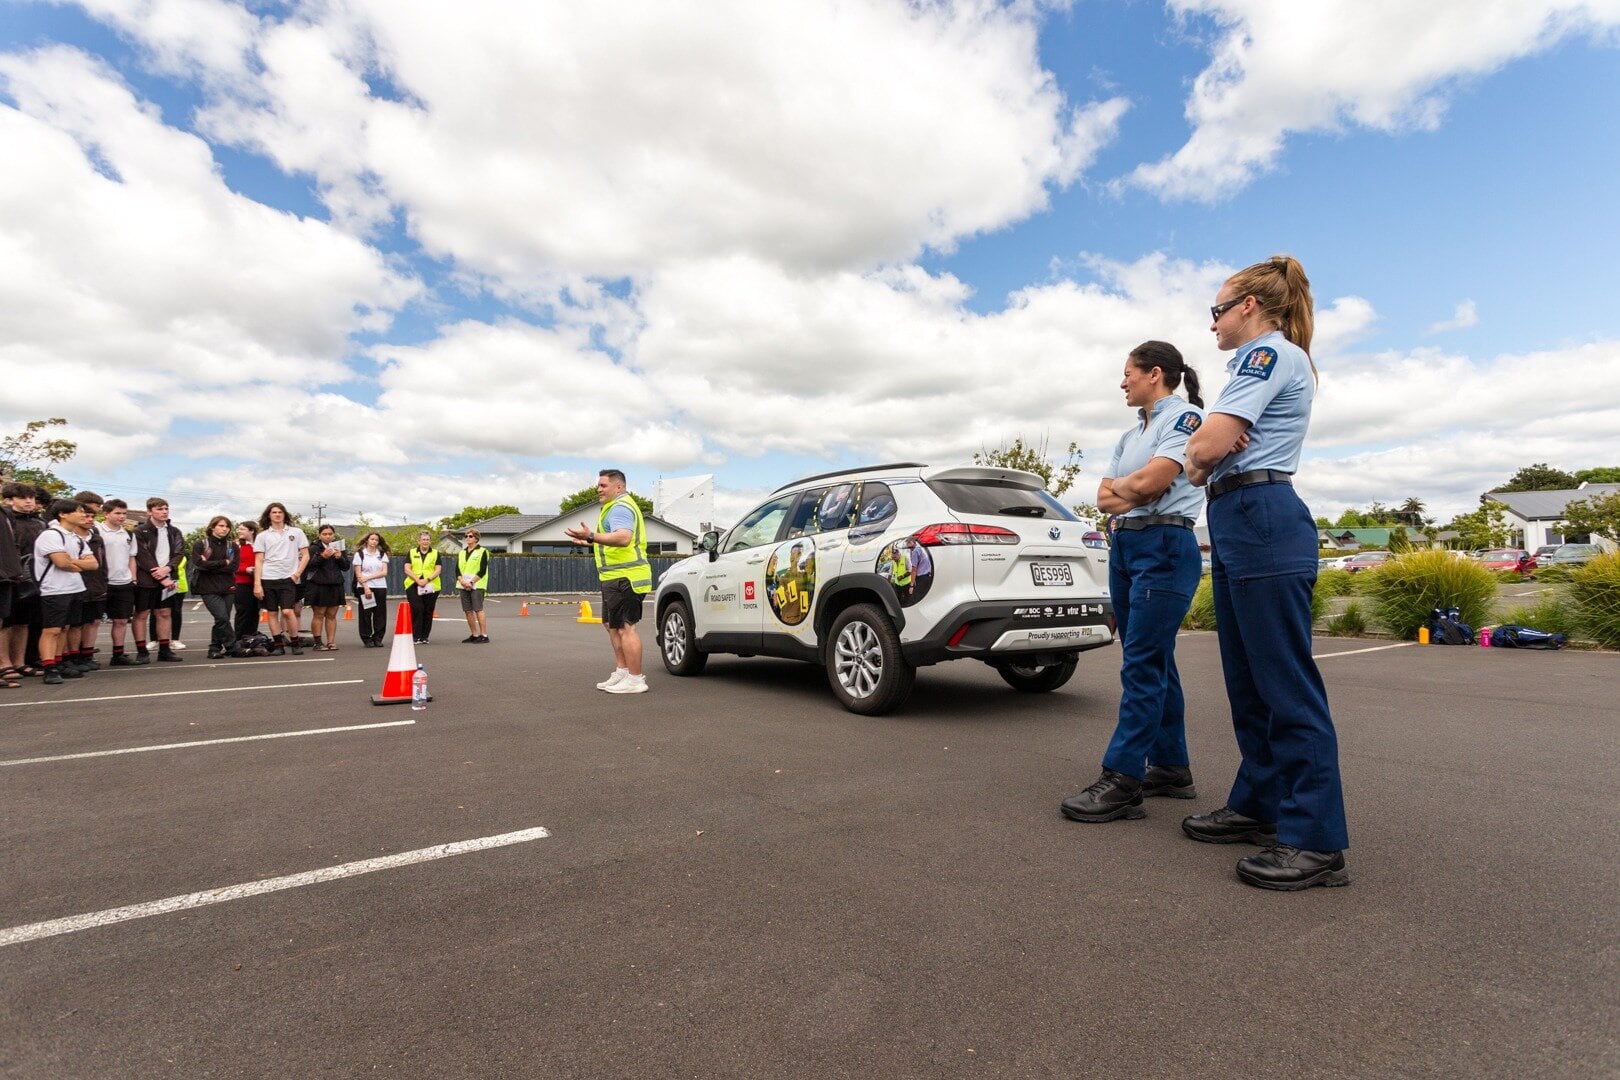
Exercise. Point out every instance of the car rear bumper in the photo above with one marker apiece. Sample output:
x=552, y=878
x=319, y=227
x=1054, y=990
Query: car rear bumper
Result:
x=989, y=630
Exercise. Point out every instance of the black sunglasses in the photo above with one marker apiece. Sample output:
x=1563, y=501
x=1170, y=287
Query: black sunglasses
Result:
x=1221, y=309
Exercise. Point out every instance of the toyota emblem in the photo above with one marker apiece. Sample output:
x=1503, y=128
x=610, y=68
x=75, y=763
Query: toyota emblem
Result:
x=1055, y=533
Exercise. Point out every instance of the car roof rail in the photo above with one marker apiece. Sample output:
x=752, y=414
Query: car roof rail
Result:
x=847, y=472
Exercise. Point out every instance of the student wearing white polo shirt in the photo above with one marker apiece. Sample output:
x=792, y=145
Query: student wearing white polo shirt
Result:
x=120, y=546
x=283, y=552
x=61, y=556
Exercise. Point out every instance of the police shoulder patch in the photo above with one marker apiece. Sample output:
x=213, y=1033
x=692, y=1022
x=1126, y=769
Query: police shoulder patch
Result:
x=1258, y=363
x=1189, y=423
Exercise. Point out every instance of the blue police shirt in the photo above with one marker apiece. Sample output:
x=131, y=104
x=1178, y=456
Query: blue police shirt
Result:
x=1270, y=385
x=1165, y=435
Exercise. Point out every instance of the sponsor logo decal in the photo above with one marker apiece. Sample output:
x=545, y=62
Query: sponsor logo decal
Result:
x=713, y=595
x=748, y=590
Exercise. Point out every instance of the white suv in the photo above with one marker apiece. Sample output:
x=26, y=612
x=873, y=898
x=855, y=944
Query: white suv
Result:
x=875, y=572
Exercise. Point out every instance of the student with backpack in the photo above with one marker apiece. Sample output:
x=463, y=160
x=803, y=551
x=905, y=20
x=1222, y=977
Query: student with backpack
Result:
x=61, y=558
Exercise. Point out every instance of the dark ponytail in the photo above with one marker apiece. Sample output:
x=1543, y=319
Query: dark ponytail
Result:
x=1167, y=358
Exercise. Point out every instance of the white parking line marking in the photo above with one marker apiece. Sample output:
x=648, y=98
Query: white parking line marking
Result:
x=1353, y=652
x=238, y=664
x=34, y=931
x=203, y=742
x=178, y=693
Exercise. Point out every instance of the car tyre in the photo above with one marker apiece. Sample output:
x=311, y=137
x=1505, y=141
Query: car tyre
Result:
x=677, y=641
x=865, y=667
x=1036, y=678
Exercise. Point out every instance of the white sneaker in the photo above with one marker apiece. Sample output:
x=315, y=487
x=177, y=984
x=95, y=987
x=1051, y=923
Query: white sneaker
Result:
x=613, y=680
x=178, y=646
x=632, y=684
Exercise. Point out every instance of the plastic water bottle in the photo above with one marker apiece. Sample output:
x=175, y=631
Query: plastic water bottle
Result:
x=419, y=694
x=1485, y=637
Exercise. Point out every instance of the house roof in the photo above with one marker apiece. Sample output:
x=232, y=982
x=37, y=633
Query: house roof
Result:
x=515, y=525
x=1549, y=505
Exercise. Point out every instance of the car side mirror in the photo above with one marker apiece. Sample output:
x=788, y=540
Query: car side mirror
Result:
x=710, y=542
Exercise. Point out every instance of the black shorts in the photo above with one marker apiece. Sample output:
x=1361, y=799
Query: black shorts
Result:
x=24, y=609
x=621, y=604
x=319, y=595
x=92, y=610
x=5, y=600
x=61, y=610
x=120, y=601
x=147, y=597
x=280, y=594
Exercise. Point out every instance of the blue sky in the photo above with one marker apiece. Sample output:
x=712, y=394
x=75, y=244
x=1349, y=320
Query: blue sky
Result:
x=399, y=258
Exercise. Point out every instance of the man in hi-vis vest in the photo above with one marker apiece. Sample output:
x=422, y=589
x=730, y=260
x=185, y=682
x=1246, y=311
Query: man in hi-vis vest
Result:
x=619, y=545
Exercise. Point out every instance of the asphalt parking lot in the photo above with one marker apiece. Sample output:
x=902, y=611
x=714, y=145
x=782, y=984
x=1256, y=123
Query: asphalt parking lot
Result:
x=731, y=876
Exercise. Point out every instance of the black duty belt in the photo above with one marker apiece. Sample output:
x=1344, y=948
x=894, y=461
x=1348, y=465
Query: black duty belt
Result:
x=1247, y=479
x=1134, y=523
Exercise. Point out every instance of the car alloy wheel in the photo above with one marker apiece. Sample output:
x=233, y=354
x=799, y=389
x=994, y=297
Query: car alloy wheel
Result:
x=859, y=660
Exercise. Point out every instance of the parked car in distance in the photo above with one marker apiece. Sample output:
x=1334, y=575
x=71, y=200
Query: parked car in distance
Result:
x=1366, y=560
x=1543, y=551
x=1571, y=554
x=1508, y=559
x=1336, y=562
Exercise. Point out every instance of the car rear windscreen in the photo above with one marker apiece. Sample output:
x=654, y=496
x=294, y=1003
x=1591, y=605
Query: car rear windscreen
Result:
x=992, y=497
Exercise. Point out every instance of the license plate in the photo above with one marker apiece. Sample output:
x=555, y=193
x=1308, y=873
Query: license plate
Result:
x=1052, y=573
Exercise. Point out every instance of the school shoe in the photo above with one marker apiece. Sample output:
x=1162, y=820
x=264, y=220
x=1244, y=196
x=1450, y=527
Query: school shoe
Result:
x=613, y=680
x=1113, y=796
x=52, y=677
x=1169, y=782
x=1227, y=826
x=121, y=660
x=631, y=684
x=143, y=656
x=297, y=646
x=215, y=652
x=167, y=656
x=1289, y=869
x=68, y=672
x=483, y=639
x=470, y=639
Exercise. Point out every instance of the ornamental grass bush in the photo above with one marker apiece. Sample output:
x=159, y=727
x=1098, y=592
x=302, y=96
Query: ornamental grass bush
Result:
x=1335, y=582
x=1406, y=590
x=1201, y=616
x=1552, y=574
x=1595, y=590
x=1348, y=623
x=1551, y=611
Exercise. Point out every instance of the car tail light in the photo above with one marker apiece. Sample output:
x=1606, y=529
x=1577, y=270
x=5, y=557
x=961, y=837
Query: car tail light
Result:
x=957, y=532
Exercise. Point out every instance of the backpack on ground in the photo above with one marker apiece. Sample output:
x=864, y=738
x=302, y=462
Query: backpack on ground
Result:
x=1447, y=628
x=1514, y=636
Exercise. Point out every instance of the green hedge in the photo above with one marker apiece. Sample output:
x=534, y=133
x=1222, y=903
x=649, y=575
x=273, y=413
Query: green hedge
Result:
x=1595, y=590
x=1405, y=590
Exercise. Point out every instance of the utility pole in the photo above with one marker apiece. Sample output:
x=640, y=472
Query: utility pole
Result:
x=320, y=509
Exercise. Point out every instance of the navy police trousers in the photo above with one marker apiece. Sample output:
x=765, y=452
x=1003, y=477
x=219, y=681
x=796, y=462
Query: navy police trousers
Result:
x=1264, y=570
x=1151, y=579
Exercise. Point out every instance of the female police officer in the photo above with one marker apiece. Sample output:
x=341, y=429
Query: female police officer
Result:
x=1151, y=579
x=1287, y=793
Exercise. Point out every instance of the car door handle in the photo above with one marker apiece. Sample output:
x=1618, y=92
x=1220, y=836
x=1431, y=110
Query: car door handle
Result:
x=756, y=562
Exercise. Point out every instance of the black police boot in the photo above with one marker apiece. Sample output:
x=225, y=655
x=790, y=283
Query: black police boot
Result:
x=1114, y=795
x=1290, y=869
x=1227, y=826
x=1169, y=781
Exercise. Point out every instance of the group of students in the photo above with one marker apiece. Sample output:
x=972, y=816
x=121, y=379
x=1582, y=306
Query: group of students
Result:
x=69, y=564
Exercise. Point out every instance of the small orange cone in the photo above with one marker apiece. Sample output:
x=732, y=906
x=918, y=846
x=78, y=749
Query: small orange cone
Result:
x=396, y=688
x=585, y=615
x=348, y=613
x=264, y=616
x=524, y=610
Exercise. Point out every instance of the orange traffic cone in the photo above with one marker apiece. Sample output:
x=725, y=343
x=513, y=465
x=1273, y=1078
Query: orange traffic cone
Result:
x=396, y=688
x=348, y=613
x=524, y=610
x=585, y=615
x=264, y=616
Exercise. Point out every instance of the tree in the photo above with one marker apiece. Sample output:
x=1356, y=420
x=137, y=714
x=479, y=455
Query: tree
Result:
x=1411, y=513
x=1598, y=516
x=1351, y=519
x=586, y=496
x=471, y=515
x=1484, y=528
x=1539, y=477
x=1609, y=474
x=16, y=451
x=1035, y=459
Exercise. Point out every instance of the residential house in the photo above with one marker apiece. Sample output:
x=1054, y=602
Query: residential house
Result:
x=1534, y=517
x=543, y=534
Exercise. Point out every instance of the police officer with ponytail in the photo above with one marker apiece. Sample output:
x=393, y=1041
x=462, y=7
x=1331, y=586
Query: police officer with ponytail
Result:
x=1151, y=579
x=1287, y=794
